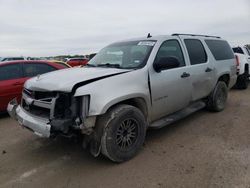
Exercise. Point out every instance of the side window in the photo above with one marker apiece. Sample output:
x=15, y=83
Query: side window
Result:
x=196, y=51
x=34, y=69
x=220, y=49
x=237, y=50
x=10, y=72
x=171, y=48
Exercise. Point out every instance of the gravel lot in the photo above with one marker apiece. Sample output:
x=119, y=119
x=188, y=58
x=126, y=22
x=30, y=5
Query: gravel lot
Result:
x=203, y=150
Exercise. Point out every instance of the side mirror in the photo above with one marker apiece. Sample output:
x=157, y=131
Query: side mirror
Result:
x=166, y=63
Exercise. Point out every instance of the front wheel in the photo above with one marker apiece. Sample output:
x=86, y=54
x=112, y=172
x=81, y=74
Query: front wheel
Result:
x=217, y=99
x=124, y=133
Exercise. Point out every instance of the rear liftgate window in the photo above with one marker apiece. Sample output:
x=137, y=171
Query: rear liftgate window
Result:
x=220, y=49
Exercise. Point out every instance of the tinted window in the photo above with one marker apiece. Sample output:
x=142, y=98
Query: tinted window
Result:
x=9, y=72
x=34, y=69
x=238, y=50
x=220, y=49
x=171, y=48
x=196, y=51
x=248, y=51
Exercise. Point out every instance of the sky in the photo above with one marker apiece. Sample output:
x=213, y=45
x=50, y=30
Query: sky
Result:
x=69, y=27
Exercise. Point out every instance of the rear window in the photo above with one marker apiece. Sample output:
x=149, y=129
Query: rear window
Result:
x=220, y=49
x=238, y=50
x=196, y=51
x=34, y=69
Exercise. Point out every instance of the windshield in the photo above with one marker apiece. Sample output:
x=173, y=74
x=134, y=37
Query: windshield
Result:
x=125, y=55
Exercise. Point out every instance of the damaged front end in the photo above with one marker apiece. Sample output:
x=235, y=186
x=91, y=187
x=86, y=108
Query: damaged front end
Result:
x=49, y=114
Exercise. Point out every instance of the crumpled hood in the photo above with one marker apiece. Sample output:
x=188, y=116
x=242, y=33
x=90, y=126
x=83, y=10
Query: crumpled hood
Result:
x=64, y=80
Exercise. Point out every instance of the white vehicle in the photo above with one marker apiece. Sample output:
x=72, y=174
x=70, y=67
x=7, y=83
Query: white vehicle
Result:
x=242, y=54
x=128, y=87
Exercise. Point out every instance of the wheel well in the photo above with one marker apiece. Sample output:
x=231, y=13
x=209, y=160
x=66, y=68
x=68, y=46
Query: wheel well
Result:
x=225, y=78
x=246, y=68
x=138, y=103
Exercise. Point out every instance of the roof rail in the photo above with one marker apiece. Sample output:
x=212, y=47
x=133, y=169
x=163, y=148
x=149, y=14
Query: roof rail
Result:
x=177, y=34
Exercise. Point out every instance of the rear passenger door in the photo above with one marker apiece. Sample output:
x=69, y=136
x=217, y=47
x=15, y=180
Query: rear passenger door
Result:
x=201, y=68
x=171, y=88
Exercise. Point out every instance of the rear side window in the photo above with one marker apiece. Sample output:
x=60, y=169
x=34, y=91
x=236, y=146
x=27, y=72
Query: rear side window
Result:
x=34, y=69
x=238, y=50
x=196, y=51
x=220, y=49
x=10, y=72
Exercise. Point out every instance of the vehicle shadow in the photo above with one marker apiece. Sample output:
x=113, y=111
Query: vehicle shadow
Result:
x=4, y=115
x=154, y=134
x=61, y=146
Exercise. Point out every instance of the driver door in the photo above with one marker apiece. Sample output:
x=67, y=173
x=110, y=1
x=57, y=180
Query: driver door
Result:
x=171, y=88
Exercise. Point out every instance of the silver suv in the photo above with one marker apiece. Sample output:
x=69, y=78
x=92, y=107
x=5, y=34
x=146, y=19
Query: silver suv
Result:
x=128, y=87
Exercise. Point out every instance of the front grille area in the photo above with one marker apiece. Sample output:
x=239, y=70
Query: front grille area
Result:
x=39, y=94
x=39, y=103
x=47, y=104
x=36, y=110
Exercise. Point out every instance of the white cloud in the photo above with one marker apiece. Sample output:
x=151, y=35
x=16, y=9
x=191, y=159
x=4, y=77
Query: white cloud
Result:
x=40, y=28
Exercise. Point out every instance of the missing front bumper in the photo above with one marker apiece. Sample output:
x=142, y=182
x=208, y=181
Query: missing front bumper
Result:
x=39, y=126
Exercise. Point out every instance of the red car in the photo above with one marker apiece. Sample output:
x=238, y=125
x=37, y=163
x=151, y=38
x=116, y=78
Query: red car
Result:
x=13, y=74
x=77, y=62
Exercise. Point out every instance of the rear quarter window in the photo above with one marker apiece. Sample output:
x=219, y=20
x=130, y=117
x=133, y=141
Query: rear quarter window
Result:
x=220, y=49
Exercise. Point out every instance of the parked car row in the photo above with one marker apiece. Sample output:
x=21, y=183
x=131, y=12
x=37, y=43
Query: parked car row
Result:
x=127, y=88
x=242, y=54
x=13, y=75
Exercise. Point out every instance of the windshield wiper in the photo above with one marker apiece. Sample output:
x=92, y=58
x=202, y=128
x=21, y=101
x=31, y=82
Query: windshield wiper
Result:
x=109, y=65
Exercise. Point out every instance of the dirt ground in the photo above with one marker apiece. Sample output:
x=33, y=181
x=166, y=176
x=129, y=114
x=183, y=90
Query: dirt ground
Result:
x=203, y=150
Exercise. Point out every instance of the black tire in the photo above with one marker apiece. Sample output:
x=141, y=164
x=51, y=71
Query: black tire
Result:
x=242, y=81
x=217, y=99
x=124, y=133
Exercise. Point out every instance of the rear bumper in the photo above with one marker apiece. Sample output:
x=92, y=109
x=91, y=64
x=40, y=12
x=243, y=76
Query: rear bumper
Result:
x=39, y=126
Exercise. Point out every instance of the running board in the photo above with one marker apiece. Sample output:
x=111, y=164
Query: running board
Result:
x=167, y=120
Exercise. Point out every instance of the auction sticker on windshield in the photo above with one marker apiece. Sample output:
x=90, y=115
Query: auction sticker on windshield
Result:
x=146, y=43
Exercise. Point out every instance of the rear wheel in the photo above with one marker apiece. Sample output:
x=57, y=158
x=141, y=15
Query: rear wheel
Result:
x=124, y=133
x=242, y=81
x=217, y=99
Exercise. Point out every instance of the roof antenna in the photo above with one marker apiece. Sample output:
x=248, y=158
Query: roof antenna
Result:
x=149, y=35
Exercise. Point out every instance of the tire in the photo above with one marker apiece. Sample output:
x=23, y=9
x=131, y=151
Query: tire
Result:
x=124, y=133
x=242, y=81
x=217, y=99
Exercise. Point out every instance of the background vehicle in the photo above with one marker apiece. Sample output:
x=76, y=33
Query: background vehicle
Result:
x=242, y=54
x=61, y=63
x=77, y=62
x=14, y=74
x=127, y=87
x=12, y=58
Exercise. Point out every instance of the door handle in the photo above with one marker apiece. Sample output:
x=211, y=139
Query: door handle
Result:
x=185, y=75
x=17, y=84
x=208, y=69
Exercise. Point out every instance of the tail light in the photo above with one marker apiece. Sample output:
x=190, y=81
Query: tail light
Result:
x=237, y=60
